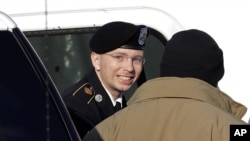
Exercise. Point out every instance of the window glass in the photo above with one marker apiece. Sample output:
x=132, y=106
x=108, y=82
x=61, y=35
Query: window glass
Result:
x=67, y=57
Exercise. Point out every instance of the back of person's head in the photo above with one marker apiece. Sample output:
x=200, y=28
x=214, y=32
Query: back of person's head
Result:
x=193, y=53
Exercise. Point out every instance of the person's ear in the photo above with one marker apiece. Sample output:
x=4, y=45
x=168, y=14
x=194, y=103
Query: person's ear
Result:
x=95, y=59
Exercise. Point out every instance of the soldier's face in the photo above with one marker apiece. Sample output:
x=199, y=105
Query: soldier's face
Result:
x=118, y=69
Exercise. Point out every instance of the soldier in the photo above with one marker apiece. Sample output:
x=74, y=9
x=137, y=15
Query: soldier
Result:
x=117, y=55
x=184, y=103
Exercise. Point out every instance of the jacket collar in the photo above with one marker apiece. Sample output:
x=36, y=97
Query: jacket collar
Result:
x=191, y=88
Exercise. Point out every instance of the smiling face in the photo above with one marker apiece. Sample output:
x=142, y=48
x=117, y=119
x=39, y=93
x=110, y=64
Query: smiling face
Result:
x=118, y=69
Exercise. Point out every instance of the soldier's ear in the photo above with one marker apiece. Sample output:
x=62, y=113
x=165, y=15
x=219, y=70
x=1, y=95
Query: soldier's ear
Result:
x=95, y=59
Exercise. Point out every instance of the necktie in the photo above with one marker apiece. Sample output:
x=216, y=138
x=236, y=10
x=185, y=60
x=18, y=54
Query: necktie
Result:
x=118, y=106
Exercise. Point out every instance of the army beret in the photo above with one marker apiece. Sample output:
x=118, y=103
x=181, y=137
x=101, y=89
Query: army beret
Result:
x=118, y=34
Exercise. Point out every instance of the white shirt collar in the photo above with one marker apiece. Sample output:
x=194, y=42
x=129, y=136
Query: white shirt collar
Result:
x=119, y=99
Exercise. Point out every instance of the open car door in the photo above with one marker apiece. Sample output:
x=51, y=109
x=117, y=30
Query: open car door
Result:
x=30, y=104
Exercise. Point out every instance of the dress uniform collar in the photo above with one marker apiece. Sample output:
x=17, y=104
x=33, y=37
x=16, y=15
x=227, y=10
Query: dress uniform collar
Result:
x=119, y=99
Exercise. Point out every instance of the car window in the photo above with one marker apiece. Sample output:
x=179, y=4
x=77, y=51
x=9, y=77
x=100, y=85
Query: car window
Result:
x=28, y=112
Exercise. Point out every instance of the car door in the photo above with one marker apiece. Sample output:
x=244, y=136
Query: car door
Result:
x=31, y=108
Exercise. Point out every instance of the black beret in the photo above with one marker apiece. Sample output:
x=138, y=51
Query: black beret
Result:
x=193, y=53
x=118, y=34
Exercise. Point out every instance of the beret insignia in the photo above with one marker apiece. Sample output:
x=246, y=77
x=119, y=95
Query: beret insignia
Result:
x=143, y=35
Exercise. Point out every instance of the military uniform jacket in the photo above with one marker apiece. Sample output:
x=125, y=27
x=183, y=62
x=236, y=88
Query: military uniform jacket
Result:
x=88, y=102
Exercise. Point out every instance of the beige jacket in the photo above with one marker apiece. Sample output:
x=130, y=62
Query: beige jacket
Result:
x=174, y=109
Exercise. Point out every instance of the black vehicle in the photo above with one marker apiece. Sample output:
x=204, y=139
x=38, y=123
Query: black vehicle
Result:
x=31, y=108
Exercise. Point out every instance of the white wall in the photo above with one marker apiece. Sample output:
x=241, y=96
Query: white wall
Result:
x=228, y=22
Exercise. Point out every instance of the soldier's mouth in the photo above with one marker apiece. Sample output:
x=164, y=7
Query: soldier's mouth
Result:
x=125, y=78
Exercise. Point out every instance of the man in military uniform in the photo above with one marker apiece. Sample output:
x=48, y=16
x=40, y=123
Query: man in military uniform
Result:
x=117, y=55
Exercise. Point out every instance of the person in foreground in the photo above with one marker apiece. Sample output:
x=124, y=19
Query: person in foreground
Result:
x=117, y=55
x=184, y=103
